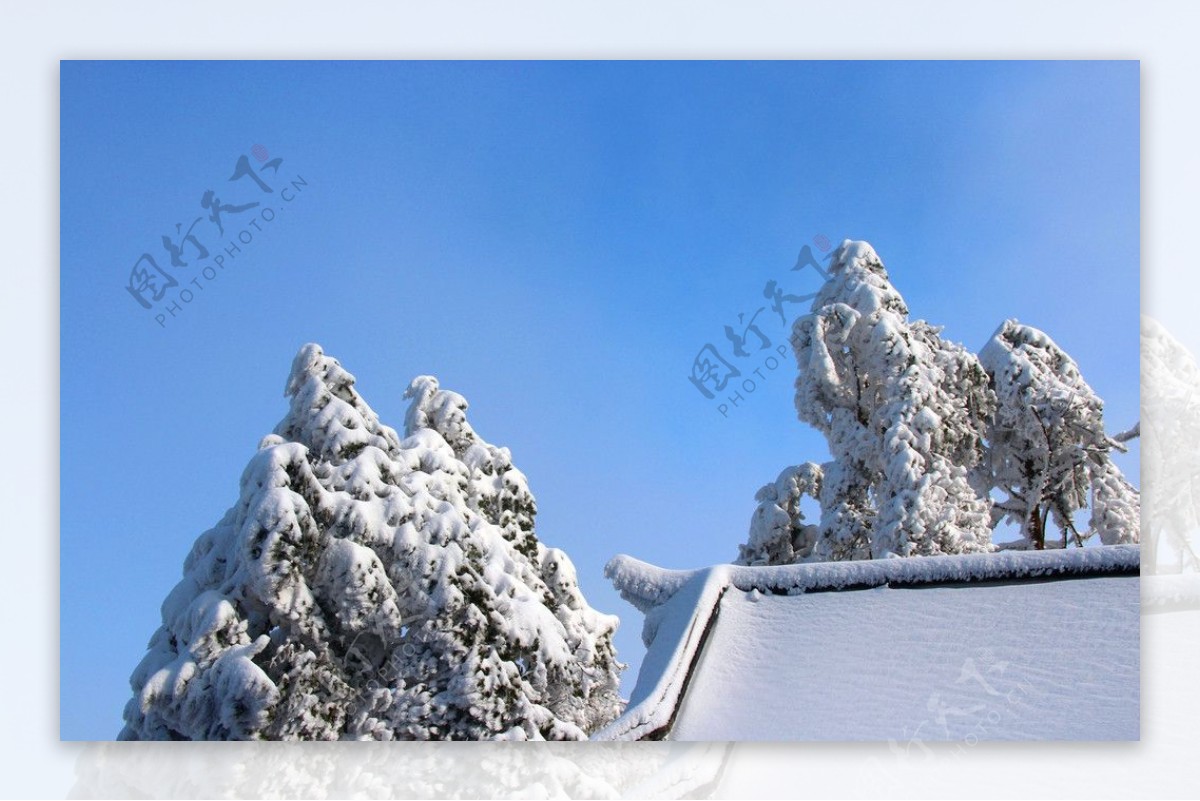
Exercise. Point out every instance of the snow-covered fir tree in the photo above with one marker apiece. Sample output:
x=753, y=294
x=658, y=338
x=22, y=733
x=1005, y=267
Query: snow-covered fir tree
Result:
x=904, y=413
x=1049, y=453
x=778, y=533
x=367, y=586
x=922, y=431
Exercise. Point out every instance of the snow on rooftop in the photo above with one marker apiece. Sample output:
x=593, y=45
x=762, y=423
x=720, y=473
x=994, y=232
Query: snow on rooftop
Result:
x=646, y=586
x=989, y=646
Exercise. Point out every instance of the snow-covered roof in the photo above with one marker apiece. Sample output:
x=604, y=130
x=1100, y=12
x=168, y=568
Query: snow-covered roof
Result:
x=1011, y=645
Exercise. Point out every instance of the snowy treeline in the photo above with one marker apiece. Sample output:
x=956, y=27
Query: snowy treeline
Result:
x=368, y=586
x=933, y=446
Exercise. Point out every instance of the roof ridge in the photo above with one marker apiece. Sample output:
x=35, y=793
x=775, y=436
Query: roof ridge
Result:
x=646, y=586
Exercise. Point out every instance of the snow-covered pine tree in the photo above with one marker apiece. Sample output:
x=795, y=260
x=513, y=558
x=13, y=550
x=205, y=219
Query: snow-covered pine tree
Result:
x=578, y=682
x=367, y=586
x=1049, y=453
x=778, y=534
x=920, y=439
x=904, y=412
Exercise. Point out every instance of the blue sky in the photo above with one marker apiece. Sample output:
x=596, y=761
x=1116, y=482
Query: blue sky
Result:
x=556, y=241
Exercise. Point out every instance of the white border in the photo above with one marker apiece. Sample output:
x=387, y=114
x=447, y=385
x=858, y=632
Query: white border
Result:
x=33, y=38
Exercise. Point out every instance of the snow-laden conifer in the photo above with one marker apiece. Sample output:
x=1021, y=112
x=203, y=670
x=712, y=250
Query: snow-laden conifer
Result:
x=368, y=586
x=1049, y=453
x=904, y=413
x=923, y=433
x=778, y=533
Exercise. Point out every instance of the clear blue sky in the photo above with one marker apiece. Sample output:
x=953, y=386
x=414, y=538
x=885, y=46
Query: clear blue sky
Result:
x=555, y=241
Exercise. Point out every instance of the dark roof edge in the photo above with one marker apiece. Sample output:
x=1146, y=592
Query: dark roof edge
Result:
x=646, y=586
x=651, y=716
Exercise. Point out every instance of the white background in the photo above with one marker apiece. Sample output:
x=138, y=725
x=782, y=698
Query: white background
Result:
x=32, y=40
